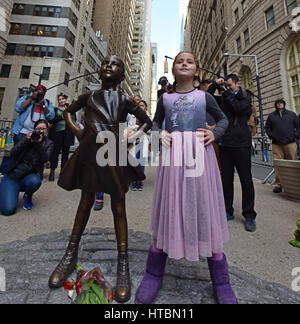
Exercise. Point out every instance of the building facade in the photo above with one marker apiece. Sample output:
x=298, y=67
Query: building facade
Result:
x=5, y=12
x=113, y=20
x=249, y=27
x=58, y=37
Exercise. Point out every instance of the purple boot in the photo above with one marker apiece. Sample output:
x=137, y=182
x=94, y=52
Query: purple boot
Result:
x=152, y=280
x=221, y=282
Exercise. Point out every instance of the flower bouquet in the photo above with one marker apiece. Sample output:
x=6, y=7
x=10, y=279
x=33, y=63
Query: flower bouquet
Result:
x=89, y=288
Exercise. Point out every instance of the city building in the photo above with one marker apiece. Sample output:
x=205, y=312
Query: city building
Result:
x=262, y=28
x=126, y=26
x=113, y=20
x=141, y=60
x=249, y=27
x=5, y=12
x=205, y=34
x=52, y=44
x=154, y=88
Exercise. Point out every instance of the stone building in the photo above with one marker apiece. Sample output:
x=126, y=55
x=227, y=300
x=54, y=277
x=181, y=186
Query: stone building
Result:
x=48, y=35
x=249, y=27
x=113, y=20
x=5, y=12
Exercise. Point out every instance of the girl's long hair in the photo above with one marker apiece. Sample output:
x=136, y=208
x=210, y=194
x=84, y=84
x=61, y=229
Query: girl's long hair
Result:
x=196, y=79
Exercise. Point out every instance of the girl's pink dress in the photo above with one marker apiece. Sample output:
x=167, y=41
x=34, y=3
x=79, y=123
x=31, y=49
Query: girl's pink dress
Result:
x=188, y=216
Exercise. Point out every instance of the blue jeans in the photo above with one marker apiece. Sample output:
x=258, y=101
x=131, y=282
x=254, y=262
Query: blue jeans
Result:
x=10, y=189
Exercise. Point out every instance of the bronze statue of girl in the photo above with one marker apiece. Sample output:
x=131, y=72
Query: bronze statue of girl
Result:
x=104, y=109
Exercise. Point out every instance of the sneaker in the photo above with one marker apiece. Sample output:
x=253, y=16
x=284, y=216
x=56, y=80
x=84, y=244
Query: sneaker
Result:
x=230, y=217
x=28, y=204
x=98, y=205
x=250, y=225
x=133, y=186
x=140, y=187
x=277, y=190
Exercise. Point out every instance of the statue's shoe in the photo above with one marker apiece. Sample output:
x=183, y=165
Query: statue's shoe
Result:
x=123, y=287
x=65, y=267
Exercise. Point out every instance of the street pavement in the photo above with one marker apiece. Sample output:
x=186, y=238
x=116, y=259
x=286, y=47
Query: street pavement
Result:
x=261, y=264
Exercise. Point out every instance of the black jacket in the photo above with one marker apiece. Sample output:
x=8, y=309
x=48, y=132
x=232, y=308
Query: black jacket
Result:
x=238, y=109
x=283, y=129
x=69, y=137
x=28, y=157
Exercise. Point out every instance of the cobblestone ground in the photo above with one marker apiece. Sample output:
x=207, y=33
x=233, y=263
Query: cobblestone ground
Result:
x=29, y=263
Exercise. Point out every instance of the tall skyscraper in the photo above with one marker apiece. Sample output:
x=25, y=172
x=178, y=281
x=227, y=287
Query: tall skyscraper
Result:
x=141, y=66
x=113, y=20
x=47, y=35
x=5, y=12
x=182, y=14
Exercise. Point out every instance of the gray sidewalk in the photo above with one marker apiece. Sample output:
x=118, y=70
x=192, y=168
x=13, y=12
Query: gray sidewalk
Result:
x=28, y=265
x=265, y=254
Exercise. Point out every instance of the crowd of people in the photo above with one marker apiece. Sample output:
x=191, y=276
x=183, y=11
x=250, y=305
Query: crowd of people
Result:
x=190, y=213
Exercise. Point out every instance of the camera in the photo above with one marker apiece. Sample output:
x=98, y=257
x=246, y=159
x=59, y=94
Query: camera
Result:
x=35, y=136
x=221, y=87
x=40, y=95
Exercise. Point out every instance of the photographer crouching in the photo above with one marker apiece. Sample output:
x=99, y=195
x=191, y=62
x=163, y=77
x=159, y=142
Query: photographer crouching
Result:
x=21, y=170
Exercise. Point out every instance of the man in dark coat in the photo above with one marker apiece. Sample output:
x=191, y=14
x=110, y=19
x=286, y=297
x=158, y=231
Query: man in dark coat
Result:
x=282, y=127
x=235, y=150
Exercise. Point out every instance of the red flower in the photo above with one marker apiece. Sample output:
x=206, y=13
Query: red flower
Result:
x=68, y=285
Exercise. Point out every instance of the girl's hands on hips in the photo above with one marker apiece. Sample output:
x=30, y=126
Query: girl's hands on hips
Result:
x=166, y=139
x=208, y=136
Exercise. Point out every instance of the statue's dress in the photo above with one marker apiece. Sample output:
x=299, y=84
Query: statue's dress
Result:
x=104, y=110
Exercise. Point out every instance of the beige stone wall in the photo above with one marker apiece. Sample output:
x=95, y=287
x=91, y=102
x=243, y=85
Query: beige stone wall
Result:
x=270, y=46
x=211, y=36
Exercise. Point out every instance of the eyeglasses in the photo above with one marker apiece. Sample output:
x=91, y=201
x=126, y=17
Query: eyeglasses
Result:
x=41, y=128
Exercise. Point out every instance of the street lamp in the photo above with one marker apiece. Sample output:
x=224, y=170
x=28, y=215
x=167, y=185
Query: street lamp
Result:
x=67, y=59
x=264, y=150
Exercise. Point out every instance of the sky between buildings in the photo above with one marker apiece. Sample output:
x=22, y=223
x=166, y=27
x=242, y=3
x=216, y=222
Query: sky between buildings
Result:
x=165, y=31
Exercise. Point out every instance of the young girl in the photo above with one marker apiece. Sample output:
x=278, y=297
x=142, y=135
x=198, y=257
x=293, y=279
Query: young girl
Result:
x=188, y=216
x=105, y=109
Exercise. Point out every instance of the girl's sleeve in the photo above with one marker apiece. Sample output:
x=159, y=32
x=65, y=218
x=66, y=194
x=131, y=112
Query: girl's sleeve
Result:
x=214, y=110
x=159, y=115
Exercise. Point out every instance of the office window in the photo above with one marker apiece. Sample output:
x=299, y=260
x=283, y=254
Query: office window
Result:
x=236, y=15
x=15, y=29
x=5, y=71
x=67, y=78
x=25, y=72
x=270, y=17
x=18, y=9
x=291, y=5
x=10, y=49
x=39, y=51
x=46, y=73
x=239, y=45
x=293, y=65
x=247, y=37
x=244, y=6
x=43, y=31
x=47, y=11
